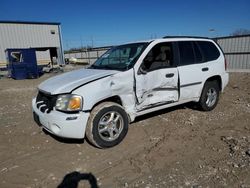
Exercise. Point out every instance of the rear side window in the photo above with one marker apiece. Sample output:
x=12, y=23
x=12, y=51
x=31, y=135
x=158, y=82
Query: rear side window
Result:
x=210, y=51
x=186, y=53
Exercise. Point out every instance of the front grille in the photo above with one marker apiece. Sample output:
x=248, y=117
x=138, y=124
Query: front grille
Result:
x=45, y=102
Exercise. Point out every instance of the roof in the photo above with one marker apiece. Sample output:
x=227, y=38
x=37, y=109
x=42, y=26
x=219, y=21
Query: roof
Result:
x=195, y=37
x=29, y=22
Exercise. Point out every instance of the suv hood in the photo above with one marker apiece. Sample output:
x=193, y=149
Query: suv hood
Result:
x=67, y=82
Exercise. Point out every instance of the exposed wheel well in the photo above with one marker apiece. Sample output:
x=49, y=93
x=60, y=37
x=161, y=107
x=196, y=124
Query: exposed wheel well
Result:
x=216, y=78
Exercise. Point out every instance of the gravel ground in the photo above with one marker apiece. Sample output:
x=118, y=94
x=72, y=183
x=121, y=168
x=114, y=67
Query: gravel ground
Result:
x=177, y=147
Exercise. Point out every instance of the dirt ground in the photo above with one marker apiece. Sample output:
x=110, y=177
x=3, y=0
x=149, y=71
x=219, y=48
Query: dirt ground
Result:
x=177, y=147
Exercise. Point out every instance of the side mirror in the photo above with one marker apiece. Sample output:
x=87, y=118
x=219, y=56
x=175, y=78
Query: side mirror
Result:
x=142, y=71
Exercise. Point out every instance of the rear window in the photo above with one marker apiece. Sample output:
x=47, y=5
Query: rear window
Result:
x=210, y=51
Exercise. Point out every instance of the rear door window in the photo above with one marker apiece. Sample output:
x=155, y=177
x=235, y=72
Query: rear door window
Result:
x=186, y=53
x=198, y=54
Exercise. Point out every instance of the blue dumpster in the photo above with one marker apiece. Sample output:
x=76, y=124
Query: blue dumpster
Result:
x=22, y=63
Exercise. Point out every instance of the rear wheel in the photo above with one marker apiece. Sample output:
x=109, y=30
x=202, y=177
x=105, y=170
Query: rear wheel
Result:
x=210, y=96
x=107, y=125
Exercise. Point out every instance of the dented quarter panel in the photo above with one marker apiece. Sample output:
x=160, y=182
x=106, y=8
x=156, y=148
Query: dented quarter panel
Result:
x=119, y=84
x=94, y=91
x=122, y=85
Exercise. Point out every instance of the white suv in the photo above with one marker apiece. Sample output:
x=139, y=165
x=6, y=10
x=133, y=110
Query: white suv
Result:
x=128, y=81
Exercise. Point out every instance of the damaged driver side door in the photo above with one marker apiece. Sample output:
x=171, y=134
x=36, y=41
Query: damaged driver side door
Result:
x=157, y=78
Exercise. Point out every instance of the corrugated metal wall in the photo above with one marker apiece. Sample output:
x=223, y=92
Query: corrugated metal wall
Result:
x=237, y=51
x=16, y=35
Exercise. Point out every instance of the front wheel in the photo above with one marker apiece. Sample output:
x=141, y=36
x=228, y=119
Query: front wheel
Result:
x=107, y=125
x=210, y=96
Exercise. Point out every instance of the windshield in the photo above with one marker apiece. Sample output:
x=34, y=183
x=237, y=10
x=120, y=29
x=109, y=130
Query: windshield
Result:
x=120, y=57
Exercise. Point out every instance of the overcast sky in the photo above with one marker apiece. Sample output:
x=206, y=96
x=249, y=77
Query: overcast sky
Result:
x=109, y=22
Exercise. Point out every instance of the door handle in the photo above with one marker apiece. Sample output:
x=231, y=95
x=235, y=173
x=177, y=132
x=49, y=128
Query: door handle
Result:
x=170, y=75
x=205, y=69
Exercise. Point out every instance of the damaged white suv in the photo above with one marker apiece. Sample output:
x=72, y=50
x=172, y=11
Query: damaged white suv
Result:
x=128, y=81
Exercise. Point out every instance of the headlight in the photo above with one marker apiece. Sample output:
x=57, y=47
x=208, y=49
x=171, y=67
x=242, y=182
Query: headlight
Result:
x=69, y=102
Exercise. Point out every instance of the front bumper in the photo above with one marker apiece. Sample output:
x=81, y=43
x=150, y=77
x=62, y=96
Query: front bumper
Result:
x=62, y=124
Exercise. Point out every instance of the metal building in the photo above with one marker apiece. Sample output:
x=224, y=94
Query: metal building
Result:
x=44, y=36
x=237, y=51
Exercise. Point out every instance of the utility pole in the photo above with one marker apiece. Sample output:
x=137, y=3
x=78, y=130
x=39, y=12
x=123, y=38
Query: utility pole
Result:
x=92, y=41
x=211, y=31
x=81, y=47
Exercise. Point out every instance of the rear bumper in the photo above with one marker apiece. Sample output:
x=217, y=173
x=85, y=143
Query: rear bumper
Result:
x=62, y=124
x=225, y=80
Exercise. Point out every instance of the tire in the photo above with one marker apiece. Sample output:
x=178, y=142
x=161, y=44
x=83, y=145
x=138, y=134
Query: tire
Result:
x=107, y=125
x=210, y=96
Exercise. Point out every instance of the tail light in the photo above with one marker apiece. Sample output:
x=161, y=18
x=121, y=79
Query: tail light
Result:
x=225, y=63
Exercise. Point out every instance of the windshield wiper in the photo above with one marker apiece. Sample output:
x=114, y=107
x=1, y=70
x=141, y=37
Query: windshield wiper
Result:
x=94, y=67
x=107, y=67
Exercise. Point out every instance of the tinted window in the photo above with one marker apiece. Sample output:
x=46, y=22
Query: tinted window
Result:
x=186, y=53
x=209, y=50
x=197, y=52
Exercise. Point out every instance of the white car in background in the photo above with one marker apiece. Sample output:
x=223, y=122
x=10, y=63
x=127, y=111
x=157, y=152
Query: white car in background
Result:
x=128, y=81
x=72, y=60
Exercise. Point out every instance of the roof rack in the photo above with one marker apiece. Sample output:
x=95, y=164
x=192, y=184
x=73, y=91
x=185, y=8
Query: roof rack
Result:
x=166, y=37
